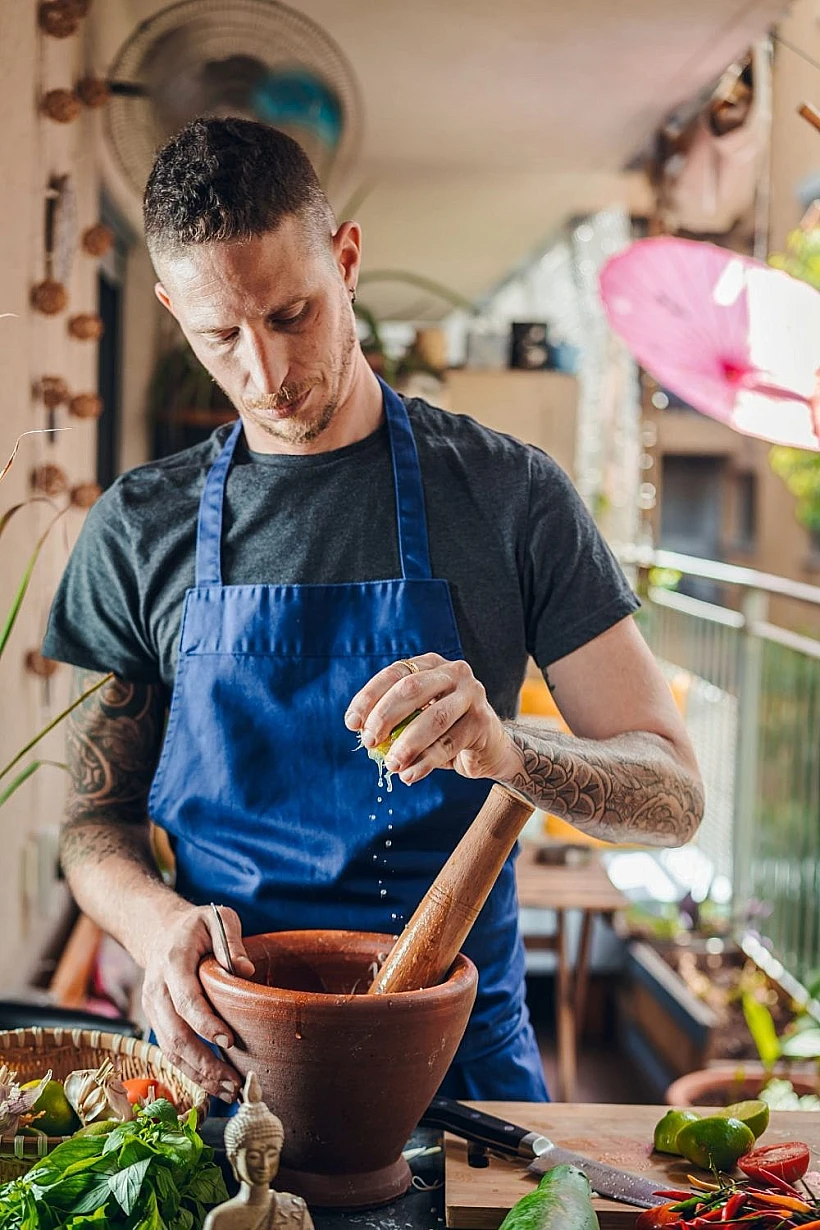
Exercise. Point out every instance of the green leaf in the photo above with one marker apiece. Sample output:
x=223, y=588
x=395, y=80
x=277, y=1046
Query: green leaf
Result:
x=802, y=1045
x=79, y=1222
x=55, y=722
x=95, y=1198
x=184, y=1220
x=207, y=1186
x=762, y=1028
x=17, y=600
x=151, y=1219
x=160, y=1110
x=126, y=1184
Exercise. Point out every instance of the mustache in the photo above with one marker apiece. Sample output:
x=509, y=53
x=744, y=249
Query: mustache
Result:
x=274, y=401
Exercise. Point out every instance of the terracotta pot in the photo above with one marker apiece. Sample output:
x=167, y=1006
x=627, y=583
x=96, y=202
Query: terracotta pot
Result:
x=348, y=1074
x=722, y=1085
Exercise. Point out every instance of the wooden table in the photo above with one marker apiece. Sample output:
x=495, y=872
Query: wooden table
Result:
x=620, y=1136
x=589, y=890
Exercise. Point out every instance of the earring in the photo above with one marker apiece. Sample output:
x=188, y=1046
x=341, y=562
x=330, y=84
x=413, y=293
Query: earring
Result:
x=352, y=295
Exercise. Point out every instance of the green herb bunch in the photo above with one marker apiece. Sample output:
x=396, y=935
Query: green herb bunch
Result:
x=151, y=1173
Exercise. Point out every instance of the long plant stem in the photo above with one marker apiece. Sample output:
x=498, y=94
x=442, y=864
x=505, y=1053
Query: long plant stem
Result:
x=55, y=722
x=29, y=770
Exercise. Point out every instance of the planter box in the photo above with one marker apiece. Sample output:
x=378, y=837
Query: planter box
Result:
x=664, y=1028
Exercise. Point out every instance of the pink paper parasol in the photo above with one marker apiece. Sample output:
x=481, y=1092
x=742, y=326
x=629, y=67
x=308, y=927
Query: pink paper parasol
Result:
x=732, y=337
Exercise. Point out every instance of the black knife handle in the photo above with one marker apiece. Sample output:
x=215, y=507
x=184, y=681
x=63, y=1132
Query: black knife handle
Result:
x=472, y=1124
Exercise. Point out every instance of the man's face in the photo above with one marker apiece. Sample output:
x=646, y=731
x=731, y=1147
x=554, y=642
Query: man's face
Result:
x=270, y=318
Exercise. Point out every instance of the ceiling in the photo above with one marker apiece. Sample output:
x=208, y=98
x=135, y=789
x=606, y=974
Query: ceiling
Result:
x=487, y=124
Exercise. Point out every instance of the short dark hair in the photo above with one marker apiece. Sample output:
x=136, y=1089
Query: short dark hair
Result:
x=224, y=179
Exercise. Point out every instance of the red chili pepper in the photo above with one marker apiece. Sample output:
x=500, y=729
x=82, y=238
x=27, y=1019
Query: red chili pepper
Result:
x=810, y=1225
x=774, y=1180
x=672, y=1193
x=733, y=1205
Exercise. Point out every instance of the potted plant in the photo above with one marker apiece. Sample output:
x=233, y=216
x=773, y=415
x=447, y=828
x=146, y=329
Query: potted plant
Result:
x=779, y=1076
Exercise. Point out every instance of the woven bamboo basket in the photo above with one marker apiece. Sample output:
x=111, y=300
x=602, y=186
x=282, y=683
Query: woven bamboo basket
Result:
x=31, y=1052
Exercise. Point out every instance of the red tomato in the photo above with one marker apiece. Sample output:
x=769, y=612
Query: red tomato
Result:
x=655, y=1219
x=788, y=1161
x=144, y=1089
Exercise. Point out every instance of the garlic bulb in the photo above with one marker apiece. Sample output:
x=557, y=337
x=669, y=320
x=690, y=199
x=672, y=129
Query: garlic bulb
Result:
x=98, y=1094
x=16, y=1103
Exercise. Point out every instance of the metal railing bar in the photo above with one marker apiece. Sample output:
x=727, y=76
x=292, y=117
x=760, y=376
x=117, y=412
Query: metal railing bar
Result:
x=696, y=607
x=790, y=640
x=713, y=570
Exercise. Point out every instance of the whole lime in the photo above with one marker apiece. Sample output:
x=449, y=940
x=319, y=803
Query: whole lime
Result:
x=58, y=1117
x=715, y=1143
x=667, y=1129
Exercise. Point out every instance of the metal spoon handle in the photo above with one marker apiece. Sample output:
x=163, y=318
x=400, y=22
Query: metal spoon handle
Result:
x=221, y=926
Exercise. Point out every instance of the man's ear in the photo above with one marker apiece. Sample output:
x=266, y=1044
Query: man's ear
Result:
x=162, y=294
x=347, y=252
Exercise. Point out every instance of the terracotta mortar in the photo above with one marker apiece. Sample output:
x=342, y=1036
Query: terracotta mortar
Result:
x=349, y=1074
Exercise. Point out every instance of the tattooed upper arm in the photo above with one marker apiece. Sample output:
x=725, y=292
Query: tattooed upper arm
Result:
x=114, y=740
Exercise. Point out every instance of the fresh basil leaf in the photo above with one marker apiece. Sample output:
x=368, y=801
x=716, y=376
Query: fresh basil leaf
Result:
x=135, y=1150
x=184, y=1220
x=151, y=1219
x=125, y=1185
x=80, y=1222
x=161, y=1110
x=95, y=1198
x=114, y=1140
x=207, y=1186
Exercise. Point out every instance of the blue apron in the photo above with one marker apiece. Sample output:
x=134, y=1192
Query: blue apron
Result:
x=270, y=809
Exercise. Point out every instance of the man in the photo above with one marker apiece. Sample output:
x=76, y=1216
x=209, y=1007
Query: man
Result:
x=337, y=560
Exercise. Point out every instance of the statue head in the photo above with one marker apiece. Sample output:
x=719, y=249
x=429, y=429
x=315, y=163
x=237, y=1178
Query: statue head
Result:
x=254, y=1138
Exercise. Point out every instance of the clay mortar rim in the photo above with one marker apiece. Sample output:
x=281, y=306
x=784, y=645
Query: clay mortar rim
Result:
x=462, y=970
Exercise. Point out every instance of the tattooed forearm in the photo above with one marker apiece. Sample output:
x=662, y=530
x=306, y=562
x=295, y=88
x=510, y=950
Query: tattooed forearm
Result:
x=630, y=788
x=113, y=744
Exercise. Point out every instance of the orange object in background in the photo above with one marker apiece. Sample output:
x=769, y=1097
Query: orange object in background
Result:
x=535, y=700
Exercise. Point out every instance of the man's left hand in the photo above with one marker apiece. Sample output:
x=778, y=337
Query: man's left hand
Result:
x=456, y=728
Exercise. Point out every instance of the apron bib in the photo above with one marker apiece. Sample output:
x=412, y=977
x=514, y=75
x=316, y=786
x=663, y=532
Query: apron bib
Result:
x=272, y=811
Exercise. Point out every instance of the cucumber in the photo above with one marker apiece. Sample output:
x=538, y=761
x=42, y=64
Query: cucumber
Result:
x=562, y=1201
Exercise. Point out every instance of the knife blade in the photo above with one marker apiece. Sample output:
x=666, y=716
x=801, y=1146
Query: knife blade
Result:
x=510, y=1138
x=605, y=1180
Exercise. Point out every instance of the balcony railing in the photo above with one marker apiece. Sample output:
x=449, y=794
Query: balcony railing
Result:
x=750, y=692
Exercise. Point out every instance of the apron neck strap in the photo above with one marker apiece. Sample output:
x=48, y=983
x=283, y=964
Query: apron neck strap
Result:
x=209, y=524
x=411, y=518
x=410, y=515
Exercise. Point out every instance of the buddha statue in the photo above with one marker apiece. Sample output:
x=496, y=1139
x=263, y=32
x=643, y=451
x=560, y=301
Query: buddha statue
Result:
x=253, y=1143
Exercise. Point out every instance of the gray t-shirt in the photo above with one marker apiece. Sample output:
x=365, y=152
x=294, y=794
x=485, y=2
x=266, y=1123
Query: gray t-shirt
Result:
x=528, y=570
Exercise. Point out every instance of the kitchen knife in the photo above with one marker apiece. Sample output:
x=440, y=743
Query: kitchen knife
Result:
x=472, y=1124
x=605, y=1180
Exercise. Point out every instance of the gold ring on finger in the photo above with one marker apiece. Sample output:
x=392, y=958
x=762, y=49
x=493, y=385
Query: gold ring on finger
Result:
x=410, y=664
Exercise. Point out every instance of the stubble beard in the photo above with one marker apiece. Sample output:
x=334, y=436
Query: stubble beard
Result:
x=305, y=431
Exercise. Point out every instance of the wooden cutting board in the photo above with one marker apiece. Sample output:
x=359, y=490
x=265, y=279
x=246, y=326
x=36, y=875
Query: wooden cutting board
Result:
x=621, y=1136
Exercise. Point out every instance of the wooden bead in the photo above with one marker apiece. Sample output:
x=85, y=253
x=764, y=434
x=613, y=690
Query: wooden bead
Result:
x=87, y=326
x=49, y=297
x=49, y=479
x=54, y=391
x=93, y=91
x=97, y=239
x=58, y=18
x=36, y=664
x=86, y=406
x=61, y=105
x=85, y=494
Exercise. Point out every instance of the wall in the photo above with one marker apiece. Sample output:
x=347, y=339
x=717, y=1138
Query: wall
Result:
x=782, y=545
x=32, y=149
x=537, y=407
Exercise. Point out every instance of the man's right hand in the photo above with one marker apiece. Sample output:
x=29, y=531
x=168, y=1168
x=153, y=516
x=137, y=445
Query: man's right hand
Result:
x=173, y=999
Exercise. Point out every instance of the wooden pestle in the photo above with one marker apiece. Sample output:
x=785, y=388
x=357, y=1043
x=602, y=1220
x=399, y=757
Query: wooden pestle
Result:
x=432, y=939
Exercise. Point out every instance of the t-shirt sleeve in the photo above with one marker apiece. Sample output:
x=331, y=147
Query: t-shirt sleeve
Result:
x=95, y=620
x=574, y=588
